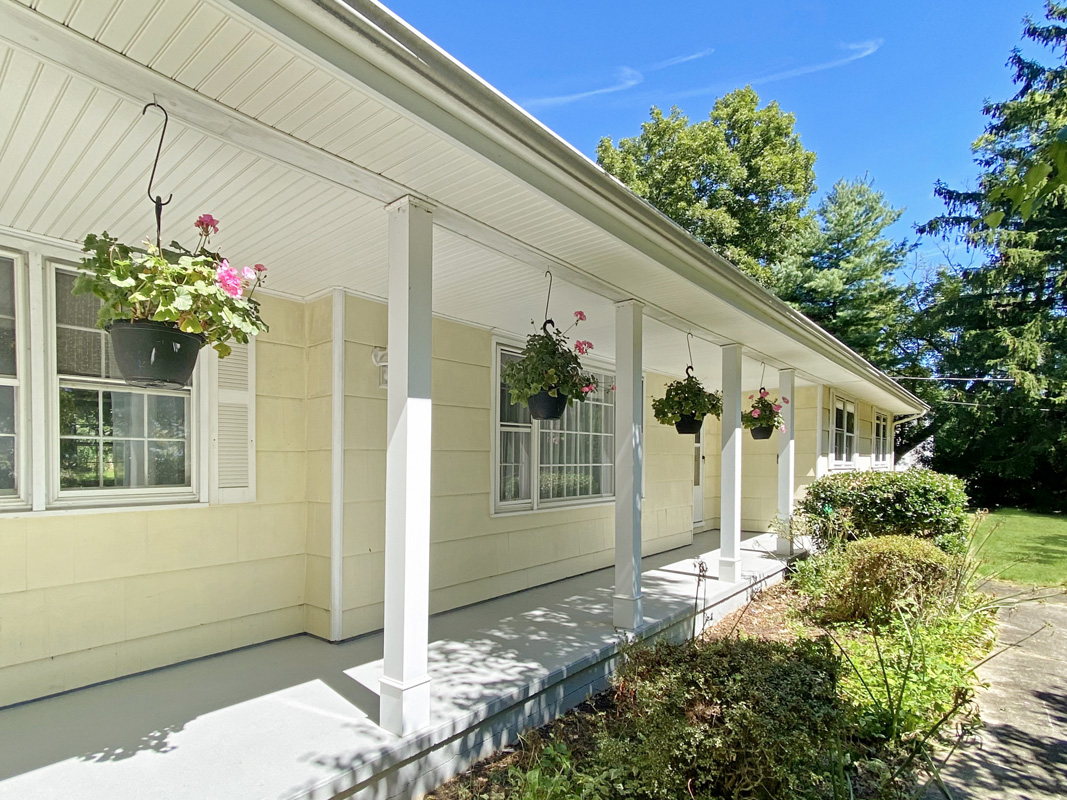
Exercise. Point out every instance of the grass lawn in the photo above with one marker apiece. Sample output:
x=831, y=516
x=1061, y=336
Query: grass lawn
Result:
x=1037, y=541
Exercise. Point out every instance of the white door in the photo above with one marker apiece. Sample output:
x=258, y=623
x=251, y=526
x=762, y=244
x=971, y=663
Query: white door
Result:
x=698, y=478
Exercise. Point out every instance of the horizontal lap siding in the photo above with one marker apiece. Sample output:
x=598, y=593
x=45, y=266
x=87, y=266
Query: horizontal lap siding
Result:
x=474, y=555
x=91, y=596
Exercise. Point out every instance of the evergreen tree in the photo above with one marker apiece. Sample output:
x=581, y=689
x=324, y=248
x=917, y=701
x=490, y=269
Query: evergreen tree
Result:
x=738, y=180
x=841, y=272
x=1006, y=319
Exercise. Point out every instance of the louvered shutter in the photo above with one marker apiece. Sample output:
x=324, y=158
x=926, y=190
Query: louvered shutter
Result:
x=233, y=426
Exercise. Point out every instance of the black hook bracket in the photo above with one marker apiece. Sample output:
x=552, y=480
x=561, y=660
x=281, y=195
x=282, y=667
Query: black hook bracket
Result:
x=689, y=369
x=548, y=299
x=158, y=201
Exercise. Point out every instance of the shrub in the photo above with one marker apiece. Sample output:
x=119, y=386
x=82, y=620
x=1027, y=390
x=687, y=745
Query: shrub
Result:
x=856, y=505
x=871, y=579
x=726, y=718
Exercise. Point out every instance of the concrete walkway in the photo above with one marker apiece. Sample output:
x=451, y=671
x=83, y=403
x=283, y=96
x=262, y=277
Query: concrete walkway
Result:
x=296, y=718
x=1022, y=750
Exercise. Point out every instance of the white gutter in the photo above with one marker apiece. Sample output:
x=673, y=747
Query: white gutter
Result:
x=364, y=40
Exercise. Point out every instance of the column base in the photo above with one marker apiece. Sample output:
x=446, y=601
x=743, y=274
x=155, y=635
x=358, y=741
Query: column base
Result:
x=627, y=613
x=785, y=546
x=730, y=570
x=404, y=707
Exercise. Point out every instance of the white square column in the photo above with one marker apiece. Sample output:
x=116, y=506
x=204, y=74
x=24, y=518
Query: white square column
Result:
x=786, y=458
x=629, y=463
x=405, y=683
x=730, y=513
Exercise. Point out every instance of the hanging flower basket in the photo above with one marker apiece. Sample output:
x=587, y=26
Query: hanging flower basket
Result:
x=685, y=404
x=154, y=354
x=162, y=305
x=764, y=415
x=544, y=406
x=549, y=376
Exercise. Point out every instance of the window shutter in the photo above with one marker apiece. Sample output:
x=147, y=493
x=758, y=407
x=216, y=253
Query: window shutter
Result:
x=233, y=426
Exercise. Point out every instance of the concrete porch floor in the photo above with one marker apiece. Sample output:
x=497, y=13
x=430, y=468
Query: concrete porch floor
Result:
x=295, y=718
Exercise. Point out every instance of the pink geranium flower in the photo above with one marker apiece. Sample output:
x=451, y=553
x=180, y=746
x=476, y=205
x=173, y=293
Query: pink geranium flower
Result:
x=259, y=268
x=227, y=279
x=207, y=224
x=583, y=347
x=785, y=400
x=755, y=413
x=589, y=387
x=248, y=274
x=782, y=429
x=763, y=392
x=751, y=396
x=776, y=407
x=580, y=315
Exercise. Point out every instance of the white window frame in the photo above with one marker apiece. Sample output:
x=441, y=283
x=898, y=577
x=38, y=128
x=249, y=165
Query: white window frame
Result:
x=835, y=462
x=883, y=458
x=534, y=505
x=23, y=435
x=85, y=497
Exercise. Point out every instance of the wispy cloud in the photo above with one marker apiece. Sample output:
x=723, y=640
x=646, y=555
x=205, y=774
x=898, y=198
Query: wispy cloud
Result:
x=854, y=52
x=626, y=78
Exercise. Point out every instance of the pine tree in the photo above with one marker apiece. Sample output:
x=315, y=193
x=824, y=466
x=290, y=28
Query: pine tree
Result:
x=1008, y=317
x=841, y=273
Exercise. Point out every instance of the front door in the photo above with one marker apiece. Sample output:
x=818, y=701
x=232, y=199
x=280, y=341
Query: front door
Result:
x=698, y=478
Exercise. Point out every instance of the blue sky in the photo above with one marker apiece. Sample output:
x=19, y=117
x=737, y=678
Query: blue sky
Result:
x=889, y=89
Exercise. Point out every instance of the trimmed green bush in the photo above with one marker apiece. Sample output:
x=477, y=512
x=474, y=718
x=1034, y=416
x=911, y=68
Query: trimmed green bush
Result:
x=871, y=579
x=727, y=718
x=858, y=505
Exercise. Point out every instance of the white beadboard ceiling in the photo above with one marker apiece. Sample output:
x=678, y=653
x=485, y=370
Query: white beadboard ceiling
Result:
x=75, y=156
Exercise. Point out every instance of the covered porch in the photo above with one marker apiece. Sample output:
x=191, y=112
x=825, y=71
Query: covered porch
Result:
x=297, y=718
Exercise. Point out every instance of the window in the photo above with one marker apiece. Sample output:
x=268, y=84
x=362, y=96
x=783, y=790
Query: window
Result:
x=9, y=381
x=570, y=460
x=111, y=436
x=882, y=445
x=844, y=432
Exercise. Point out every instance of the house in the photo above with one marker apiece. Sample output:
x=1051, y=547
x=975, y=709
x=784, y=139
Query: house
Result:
x=358, y=468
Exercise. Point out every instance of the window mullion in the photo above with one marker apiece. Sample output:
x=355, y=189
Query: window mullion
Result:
x=37, y=395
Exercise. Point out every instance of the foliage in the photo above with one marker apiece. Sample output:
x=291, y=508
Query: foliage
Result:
x=549, y=364
x=686, y=397
x=873, y=580
x=905, y=682
x=195, y=290
x=1026, y=548
x=726, y=718
x=841, y=272
x=856, y=505
x=738, y=181
x=764, y=412
x=555, y=775
x=1007, y=317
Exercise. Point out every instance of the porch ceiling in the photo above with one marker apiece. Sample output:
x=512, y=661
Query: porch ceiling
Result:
x=298, y=159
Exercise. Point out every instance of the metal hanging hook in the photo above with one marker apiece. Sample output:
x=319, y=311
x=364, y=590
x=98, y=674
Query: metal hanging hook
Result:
x=158, y=201
x=688, y=340
x=548, y=298
x=763, y=372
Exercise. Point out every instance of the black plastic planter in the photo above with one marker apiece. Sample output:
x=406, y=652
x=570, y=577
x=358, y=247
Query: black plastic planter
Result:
x=762, y=432
x=545, y=406
x=154, y=354
x=688, y=424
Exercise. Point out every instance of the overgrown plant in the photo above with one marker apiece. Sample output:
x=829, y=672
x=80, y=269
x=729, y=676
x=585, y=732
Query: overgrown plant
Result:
x=686, y=397
x=549, y=364
x=195, y=290
x=764, y=412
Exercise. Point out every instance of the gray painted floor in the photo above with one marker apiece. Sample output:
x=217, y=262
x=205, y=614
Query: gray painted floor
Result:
x=1022, y=750
x=275, y=720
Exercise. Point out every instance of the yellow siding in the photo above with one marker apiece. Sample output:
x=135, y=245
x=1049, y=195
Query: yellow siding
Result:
x=90, y=596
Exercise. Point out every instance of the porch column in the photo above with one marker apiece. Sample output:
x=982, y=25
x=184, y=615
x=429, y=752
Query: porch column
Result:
x=730, y=513
x=405, y=684
x=629, y=464
x=786, y=457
